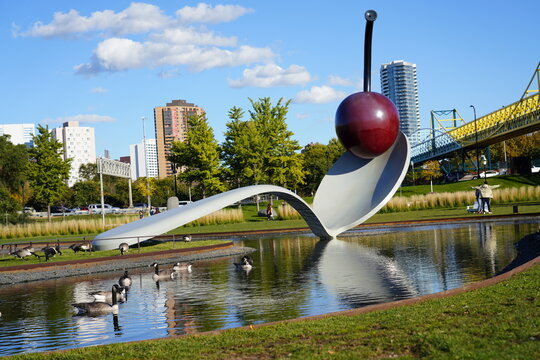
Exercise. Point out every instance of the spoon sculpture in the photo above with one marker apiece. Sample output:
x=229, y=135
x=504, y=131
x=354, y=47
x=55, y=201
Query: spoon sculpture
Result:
x=354, y=189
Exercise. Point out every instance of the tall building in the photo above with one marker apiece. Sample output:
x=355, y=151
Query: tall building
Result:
x=19, y=133
x=398, y=82
x=171, y=123
x=140, y=164
x=79, y=145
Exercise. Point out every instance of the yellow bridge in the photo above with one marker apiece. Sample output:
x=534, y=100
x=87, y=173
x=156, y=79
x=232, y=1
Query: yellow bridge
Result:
x=519, y=118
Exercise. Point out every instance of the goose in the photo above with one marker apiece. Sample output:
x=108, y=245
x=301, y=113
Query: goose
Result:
x=162, y=274
x=106, y=296
x=124, y=248
x=125, y=280
x=186, y=238
x=98, y=307
x=81, y=247
x=183, y=266
x=51, y=251
x=245, y=264
x=24, y=252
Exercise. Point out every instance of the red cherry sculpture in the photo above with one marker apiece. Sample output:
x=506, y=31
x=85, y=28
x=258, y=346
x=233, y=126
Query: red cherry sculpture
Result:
x=367, y=124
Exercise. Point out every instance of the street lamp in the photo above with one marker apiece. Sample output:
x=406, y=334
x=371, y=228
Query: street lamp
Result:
x=476, y=138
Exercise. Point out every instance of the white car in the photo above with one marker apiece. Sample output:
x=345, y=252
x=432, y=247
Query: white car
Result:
x=535, y=168
x=488, y=173
x=108, y=209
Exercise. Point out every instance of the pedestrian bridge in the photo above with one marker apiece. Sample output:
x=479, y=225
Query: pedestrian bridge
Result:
x=519, y=118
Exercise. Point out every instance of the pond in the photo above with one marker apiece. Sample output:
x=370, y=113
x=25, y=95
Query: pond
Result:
x=293, y=276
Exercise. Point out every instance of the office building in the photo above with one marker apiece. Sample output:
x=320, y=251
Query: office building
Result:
x=171, y=124
x=79, y=145
x=141, y=164
x=398, y=82
x=19, y=133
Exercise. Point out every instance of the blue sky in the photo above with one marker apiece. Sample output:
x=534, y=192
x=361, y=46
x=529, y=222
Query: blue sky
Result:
x=109, y=63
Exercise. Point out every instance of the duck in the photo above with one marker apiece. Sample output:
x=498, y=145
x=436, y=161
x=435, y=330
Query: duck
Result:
x=245, y=264
x=162, y=274
x=125, y=280
x=24, y=252
x=124, y=248
x=106, y=296
x=183, y=266
x=98, y=307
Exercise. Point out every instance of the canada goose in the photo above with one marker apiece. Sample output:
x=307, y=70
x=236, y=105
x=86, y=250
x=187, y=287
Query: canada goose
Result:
x=81, y=247
x=98, y=307
x=245, y=264
x=162, y=274
x=24, y=252
x=183, y=266
x=30, y=247
x=106, y=296
x=125, y=280
x=51, y=251
x=186, y=238
x=124, y=248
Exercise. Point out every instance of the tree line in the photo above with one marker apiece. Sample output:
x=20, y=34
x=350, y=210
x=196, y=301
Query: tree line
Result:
x=259, y=149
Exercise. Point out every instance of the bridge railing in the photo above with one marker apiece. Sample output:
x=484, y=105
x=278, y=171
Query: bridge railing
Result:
x=497, y=118
x=436, y=146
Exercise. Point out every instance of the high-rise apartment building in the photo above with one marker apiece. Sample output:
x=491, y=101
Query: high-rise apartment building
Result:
x=171, y=123
x=19, y=133
x=143, y=162
x=79, y=145
x=398, y=82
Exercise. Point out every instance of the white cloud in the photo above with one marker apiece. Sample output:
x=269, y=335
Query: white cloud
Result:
x=124, y=54
x=98, y=90
x=192, y=36
x=319, y=95
x=334, y=80
x=81, y=118
x=169, y=74
x=205, y=13
x=270, y=75
x=137, y=18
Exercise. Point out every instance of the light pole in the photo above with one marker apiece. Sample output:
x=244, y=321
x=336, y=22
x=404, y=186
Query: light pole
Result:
x=476, y=140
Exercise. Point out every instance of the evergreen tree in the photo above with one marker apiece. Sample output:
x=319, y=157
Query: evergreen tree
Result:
x=198, y=157
x=47, y=172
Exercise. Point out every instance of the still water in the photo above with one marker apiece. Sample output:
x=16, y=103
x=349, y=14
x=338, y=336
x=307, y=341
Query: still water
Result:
x=293, y=276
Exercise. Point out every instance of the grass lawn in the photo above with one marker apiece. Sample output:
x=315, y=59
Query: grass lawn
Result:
x=497, y=322
x=68, y=254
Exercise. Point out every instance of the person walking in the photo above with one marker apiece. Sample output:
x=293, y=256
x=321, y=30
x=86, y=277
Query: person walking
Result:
x=486, y=194
x=269, y=214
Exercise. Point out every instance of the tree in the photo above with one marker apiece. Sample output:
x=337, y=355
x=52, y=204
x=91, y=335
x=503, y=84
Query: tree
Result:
x=318, y=159
x=282, y=164
x=46, y=170
x=198, y=157
x=13, y=160
x=89, y=172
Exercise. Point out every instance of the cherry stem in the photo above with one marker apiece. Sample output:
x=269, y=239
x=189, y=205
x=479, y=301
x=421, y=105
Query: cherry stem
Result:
x=371, y=16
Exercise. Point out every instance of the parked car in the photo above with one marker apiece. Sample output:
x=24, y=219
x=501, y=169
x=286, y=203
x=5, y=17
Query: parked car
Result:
x=487, y=173
x=184, y=202
x=57, y=209
x=107, y=209
x=535, y=168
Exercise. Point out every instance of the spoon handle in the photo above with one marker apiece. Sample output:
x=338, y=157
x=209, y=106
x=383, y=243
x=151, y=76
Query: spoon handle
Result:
x=371, y=16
